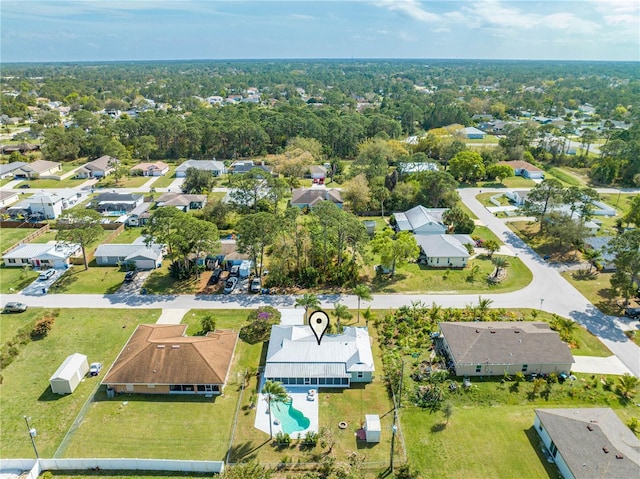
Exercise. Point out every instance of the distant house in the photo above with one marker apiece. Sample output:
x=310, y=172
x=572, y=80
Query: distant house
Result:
x=216, y=168
x=421, y=221
x=518, y=198
x=23, y=148
x=416, y=167
x=116, y=202
x=498, y=348
x=601, y=243
x=294, y=357
x=142, y=256
x=159, y=168
x=245, y=166
x=98, y=168
x=160, y=359
x=472, y=133
x=8, y=197
x=309, y=197
x=8, y=169
x=588, y=443
x=40, y=255
x=317, y=172
x=139, y=215
x=38, y=169
x=524, y=169
x=182, y=201
x=45, y=205
x=444, y=251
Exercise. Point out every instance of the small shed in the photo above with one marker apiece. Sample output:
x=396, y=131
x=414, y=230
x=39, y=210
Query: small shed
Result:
x=372, y=427
x=245, y=269
x=67, y=377
x=370, y=226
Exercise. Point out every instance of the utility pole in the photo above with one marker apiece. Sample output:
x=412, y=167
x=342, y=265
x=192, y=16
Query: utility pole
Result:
x=32, y=435
x=396, y=404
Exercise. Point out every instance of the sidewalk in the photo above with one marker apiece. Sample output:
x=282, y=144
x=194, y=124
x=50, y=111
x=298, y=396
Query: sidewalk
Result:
x=596, y=365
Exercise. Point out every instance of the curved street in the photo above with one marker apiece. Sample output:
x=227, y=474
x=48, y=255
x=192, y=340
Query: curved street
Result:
x=547, y=291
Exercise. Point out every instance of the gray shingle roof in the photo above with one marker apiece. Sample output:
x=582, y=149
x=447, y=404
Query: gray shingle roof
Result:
x=208, y=165
x=308, y=196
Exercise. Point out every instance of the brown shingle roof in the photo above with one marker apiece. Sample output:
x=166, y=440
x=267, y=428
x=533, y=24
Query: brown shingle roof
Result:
x=161, y=354
x=520, y=165
x=505, y=343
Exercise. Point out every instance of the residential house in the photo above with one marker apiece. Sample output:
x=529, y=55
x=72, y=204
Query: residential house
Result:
x=144, y=257
x=519, y=197
x=245, y=166
x=160, y=359
x=8, y=169
x=38, y=169
x=116, y=203
x=8, y=197
x=472, y=133
x=498, y=348
x=416, y=167
x=182, y=201
x=420, y=220
x=309, y=197
x=41, y=255
x=444, y=250
x=23, y=148
x=294, y=357
x=98, y=168
x=601, y=243
x=159, y=168
x=317, y=172
x=216, y=168
x=588, y=443
x=139, y=215
x=524, y=169
x=46, y=205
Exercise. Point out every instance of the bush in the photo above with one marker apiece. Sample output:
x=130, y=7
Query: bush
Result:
x=42, y=327
x=310, y=439
x=283, y=439
x=207, y=324
x=260, y=322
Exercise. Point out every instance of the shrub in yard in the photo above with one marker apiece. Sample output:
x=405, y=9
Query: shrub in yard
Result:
x=310, y=440
x=260, y=322
x=207, y=324
x=42, y=327
x=283, y=439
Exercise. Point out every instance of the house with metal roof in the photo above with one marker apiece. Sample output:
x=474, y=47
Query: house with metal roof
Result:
x=472, y=133
x=46, y=205
x=309, y=197
x=216, y=168
x=444, y=251
x=601, y=243
x=497, y=348
x=408, y=167
x=143, y=256
x=41, y=255
x=588, y=443
x=421, y=221
x=161, y=359
x=294, y=357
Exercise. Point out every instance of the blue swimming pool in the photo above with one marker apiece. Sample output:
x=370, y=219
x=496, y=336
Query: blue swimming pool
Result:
x=291, y=419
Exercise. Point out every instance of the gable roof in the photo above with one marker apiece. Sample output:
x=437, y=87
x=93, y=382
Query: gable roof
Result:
x=69, y=368
x=294, y=350
x=9, y=167
x=583, y=435
x=158, y=165
x=208, y=165
x=162, y=354
x=129, y=251
x=444, y=246
x=601, y=244
x=413, y=219
x=179, y=199
x=105, y=162
x=39, y=250
x=520, y=165
x=310, y=196
x=504, y=343
x=40, y=166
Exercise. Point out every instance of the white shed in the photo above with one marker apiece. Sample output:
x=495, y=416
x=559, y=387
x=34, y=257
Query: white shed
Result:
x=372, y=427
x=245, y=269
x=69, y=374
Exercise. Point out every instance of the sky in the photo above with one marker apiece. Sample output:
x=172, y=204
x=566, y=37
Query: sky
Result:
x=110, y=30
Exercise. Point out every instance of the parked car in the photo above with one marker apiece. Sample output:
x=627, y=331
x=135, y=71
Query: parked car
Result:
x=230, y=285
x=256, y=285
x=215, y=276
x=45, y=275
x=130, y=276
x=95, y=369
x=26, y=185
x=632, y=313
x=15, y=307
x=235, y=271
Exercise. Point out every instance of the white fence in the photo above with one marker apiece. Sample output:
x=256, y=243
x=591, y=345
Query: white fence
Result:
x=35, y=467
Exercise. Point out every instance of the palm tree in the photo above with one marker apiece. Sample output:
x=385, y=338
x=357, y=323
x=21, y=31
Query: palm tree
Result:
x=500, y=263
x=307, y=301
x=483, y=307
x=592, y=256
x=341, y=311
x=627, y=386
x=368, y=315
x=363, y=292
x=491, y=246
x=273, y=391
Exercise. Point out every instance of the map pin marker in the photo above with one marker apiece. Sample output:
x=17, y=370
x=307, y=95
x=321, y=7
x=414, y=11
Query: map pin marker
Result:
x=319, y=322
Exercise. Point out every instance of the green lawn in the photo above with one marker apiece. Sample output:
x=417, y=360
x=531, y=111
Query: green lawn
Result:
x=128, y=236
x=124, y=182
x=98, y=333
x=95, y=280
x=161, y=282
x=484, y=198
x=166, y=180
x=598, y=290
x=45, y=238
x=10, y=236
x=183, y=427
x=513, y=182
x=86, y=474
x=70, y=182
x=564, y=176
x=414, y=278
x=15, y=279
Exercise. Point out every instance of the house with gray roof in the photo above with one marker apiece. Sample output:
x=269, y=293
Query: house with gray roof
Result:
x=7, y=170
x=182, y=201
x=216, y=168
x=116, y=203
x=472, y=133
x=294, y=357
x=588, y=443
x=7, y=197
x=498, y=348
x=41, y=255
x=245, y=166
x=98, y=168
x=421, y=221
x=444, y=251
x=408, y=167
x=601, y=243
x=144, y=257
x=38, y=169
x=46, y=205
x=309, y=197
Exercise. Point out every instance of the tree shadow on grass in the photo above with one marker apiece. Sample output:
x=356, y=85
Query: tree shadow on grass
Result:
x=536, y=443
x=245, y=451
x=439, y=427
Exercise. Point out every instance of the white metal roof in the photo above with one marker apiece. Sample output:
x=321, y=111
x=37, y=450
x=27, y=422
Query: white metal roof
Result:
x=69, y=367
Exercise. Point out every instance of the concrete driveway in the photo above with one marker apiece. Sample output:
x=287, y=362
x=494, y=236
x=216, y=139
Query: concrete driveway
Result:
x=40, y=287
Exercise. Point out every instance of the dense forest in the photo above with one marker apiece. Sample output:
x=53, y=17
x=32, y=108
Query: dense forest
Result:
x=230, y=110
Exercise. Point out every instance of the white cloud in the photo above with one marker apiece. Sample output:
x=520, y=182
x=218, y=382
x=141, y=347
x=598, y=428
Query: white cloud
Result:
x=568, y=22
x=413, y=8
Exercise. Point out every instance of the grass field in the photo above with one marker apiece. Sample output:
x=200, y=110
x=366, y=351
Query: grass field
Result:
x=10, y=236
x=95, y=280
x=564, y=176
x=124, y=182
x=166, y=180
x=70, y=182
x=98, y=333
x=598, y=290
x=129, y=235
x=13, y=280
x=485, y=197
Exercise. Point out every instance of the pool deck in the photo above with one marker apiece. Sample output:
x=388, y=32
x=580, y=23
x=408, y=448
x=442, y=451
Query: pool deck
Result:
x=300, y=402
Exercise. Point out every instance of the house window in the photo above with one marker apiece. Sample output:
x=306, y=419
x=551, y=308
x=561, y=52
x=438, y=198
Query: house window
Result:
x=307, y=381
x=479, y=368
x=345, y=381
x=360, y=375
x=299, y=381
x=524, y=368
x=553, y=449
x=314, y=380
x=11, y=260
x=322, y=381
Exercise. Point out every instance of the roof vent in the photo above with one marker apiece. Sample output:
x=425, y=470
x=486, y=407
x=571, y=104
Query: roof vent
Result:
x=477, y=331
x=175, y=346
x=619, y=456
x=160, y=346
x=493, y=332
x=517, y=331
x=589, y=427
x=606, y=450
